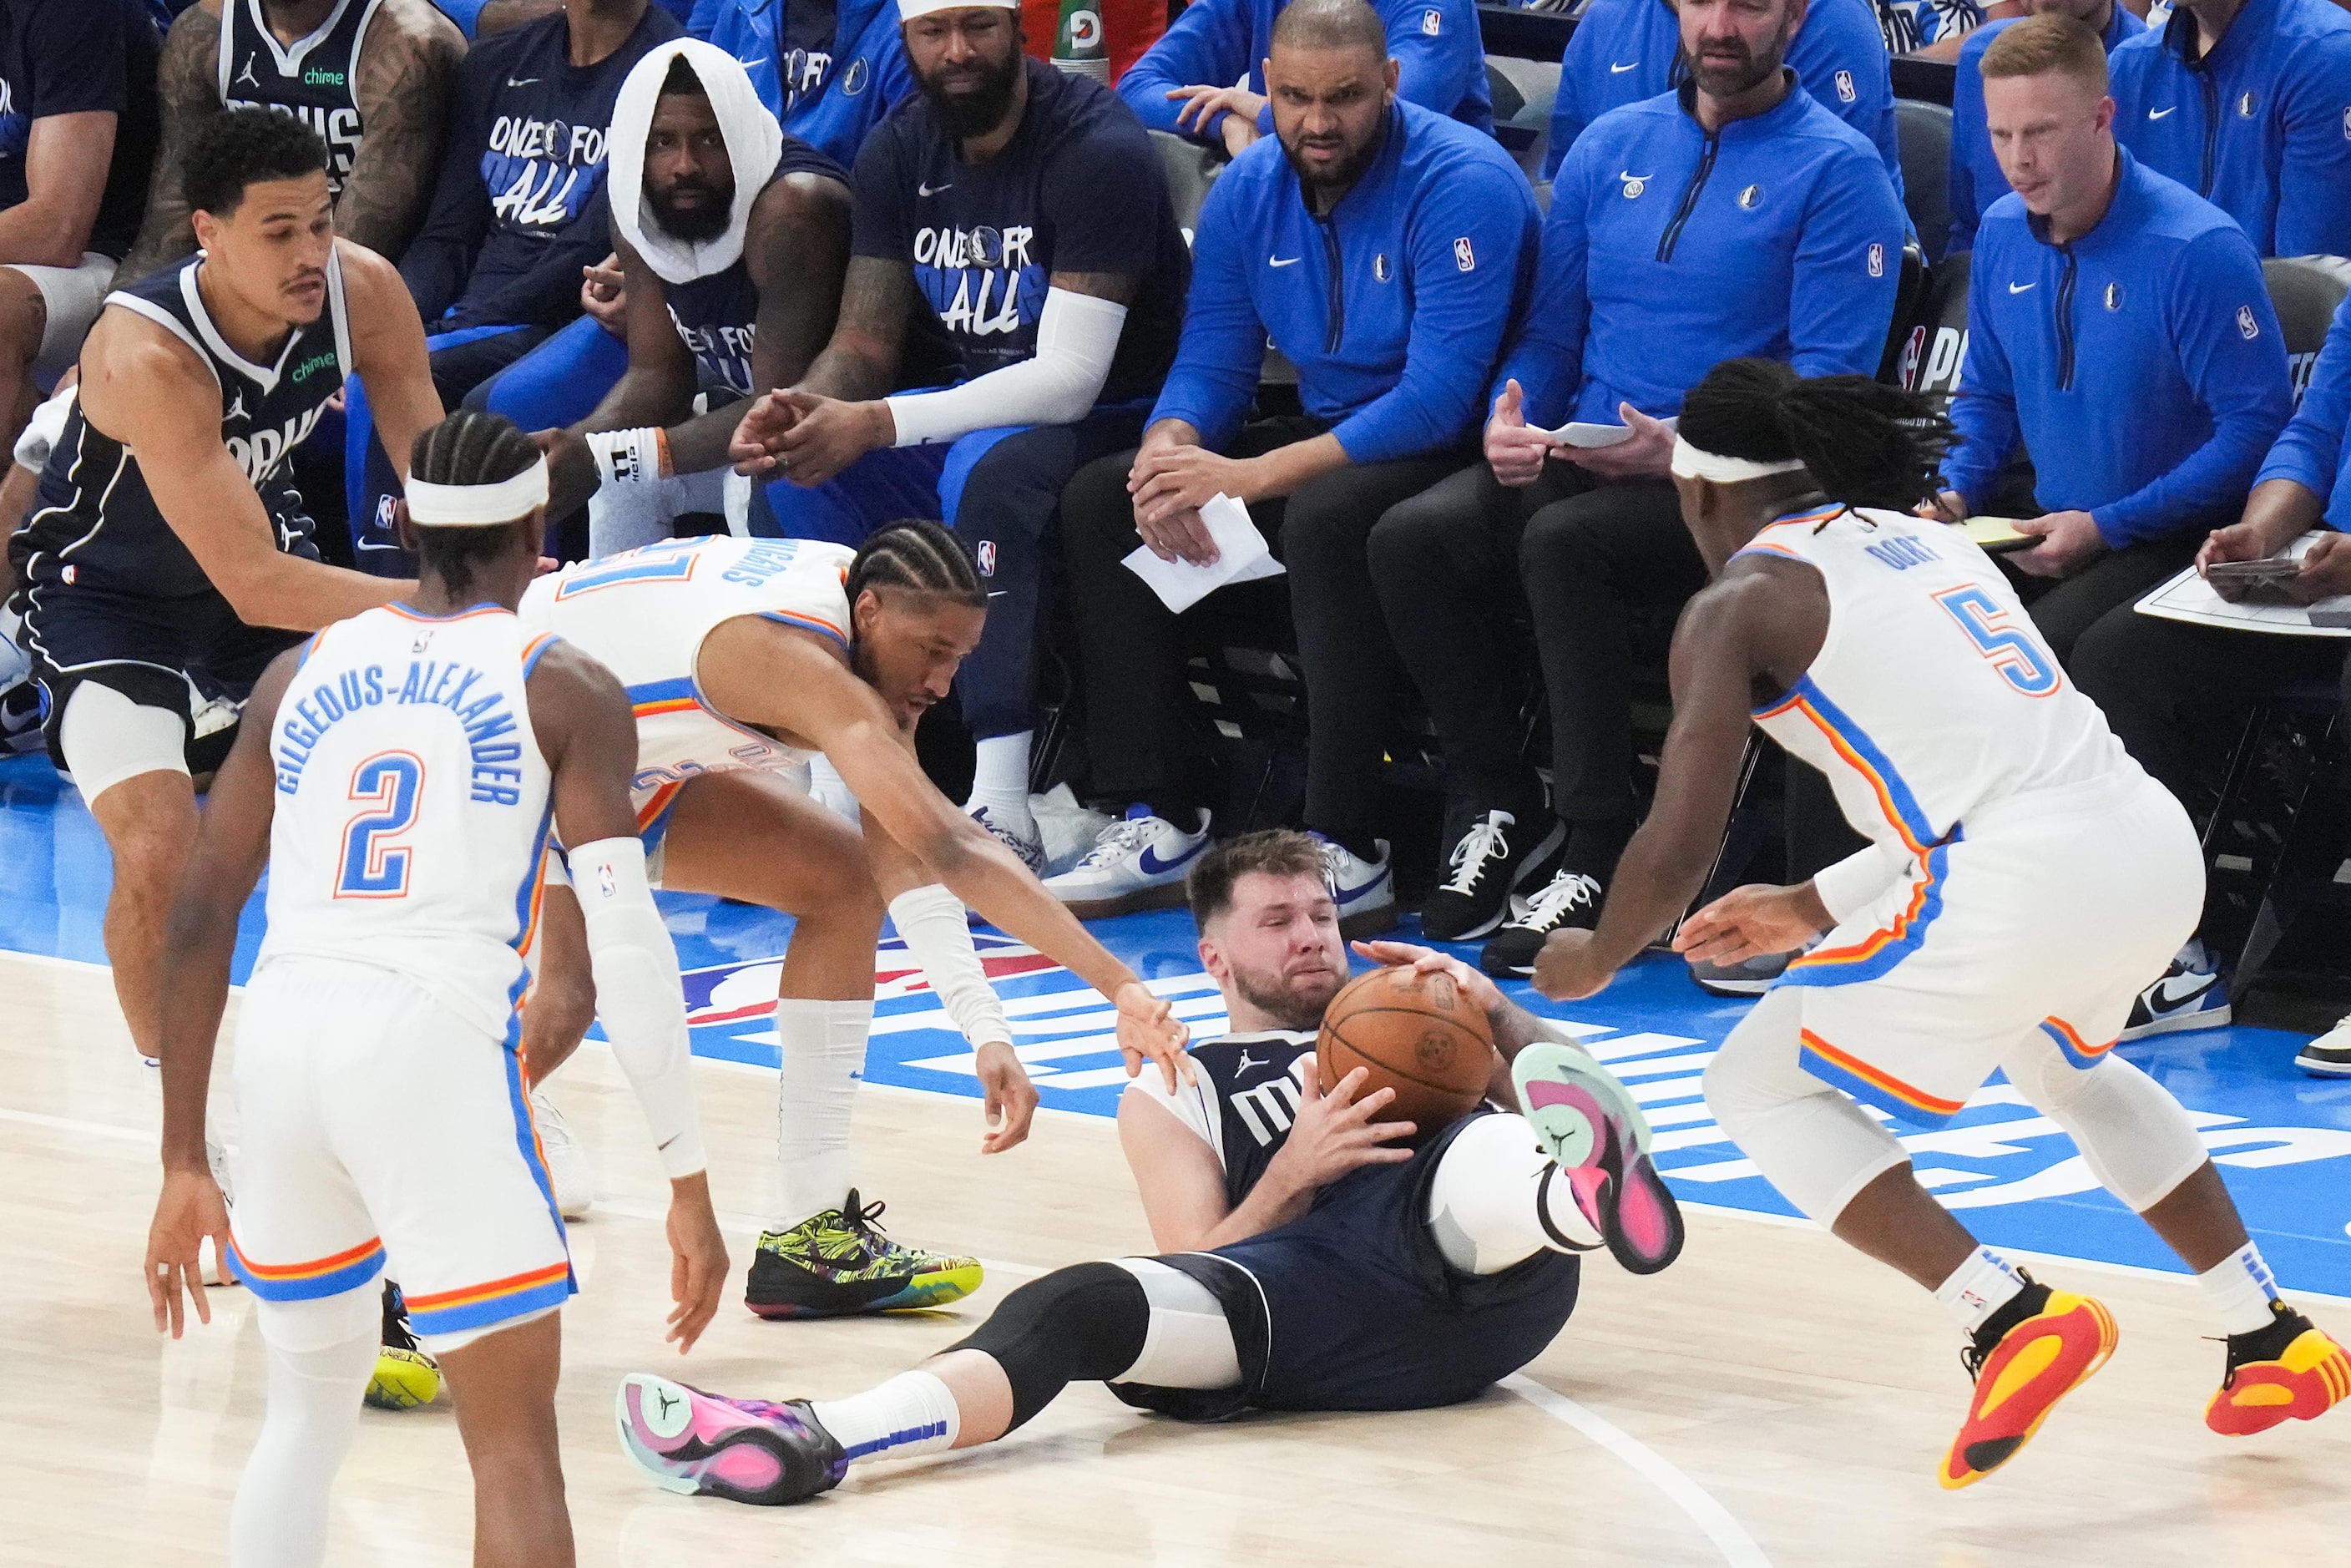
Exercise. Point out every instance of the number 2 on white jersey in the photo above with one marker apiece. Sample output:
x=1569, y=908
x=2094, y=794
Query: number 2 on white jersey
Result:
x=1985, y=620
x=392, y=783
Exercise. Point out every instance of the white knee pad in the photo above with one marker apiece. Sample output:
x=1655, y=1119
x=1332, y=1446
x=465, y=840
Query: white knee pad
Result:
x=108, y=738
x=1188, y=1345
x=1812, y=1142
x=1490, y=1205
x=2135, y=1137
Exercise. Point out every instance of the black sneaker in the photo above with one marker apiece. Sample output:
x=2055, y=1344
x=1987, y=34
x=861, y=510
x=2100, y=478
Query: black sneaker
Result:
x=2189, y=994
x=1570, y=898
x=1493, y=857
x=839, y=1262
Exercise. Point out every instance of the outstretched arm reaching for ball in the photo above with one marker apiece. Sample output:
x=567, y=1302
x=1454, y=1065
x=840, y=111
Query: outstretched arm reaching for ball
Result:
x=789, y=682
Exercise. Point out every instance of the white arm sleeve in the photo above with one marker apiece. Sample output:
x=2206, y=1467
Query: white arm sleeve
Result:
x=1077, y=336
x=637, y=994
x=1850, y=884
x=931, y=921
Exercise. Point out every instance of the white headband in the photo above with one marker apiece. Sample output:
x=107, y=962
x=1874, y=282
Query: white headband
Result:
x=1695, y=462
x=910, y=9
x=477, y=505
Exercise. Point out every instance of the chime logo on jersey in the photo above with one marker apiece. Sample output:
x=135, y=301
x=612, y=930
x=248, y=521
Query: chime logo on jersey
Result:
x=543, y=173
x=981, y=281
x=1463, y=256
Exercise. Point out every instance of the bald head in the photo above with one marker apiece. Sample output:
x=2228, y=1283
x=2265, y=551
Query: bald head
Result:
x=1331, y=25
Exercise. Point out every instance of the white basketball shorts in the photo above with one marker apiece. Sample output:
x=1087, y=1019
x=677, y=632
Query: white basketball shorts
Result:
x=2046, y=911
x=378, y=1126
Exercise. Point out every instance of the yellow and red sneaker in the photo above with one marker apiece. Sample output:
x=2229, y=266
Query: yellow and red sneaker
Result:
x=2030, y=1354
x=2288, y=1371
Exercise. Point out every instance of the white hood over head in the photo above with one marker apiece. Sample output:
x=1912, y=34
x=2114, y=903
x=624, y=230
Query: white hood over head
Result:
x=754, y=144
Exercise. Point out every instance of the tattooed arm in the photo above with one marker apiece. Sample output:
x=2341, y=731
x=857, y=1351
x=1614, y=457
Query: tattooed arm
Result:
x=407, y=81
x=187, y=80
x=861, y=359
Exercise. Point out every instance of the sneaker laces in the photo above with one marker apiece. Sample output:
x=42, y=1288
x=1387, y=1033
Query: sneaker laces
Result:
x=1484, y=841
x=1566, y=892
x=1120, y=838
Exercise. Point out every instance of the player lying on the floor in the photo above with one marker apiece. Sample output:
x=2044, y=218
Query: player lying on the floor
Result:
x=1314, y=1258
x=745, y=658
x=2024, y=880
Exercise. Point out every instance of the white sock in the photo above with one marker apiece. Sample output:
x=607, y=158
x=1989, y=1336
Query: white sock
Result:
x=824, y=1057
x=1000, y=777
x=279, y=1517
x=830, y=790
x=2239, y=1289
x=911, y=1414
x=1978, y=1288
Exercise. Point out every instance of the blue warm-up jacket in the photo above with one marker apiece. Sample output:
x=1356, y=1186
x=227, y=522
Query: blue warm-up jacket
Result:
x=1669, y=250
x=2312, y=452
x=1394, y=308
x=1434, y=43
x=2262, y=128
x=1625, y=51
x=827, y=101
x=2142, y=363
x=1976, y=180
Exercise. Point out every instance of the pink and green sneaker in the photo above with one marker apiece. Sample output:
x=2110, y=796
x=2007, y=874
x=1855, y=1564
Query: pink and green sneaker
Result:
x=1591, y=1127
x=745, y=1451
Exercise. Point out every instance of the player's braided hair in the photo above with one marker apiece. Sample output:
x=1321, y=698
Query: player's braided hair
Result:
x=920, y=555
x=468, y=448
x=1866, y=443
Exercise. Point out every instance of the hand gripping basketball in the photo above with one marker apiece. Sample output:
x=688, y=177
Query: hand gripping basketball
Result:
x=1338, y=1130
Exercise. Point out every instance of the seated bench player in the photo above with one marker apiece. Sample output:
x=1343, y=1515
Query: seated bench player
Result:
x=1313, y=1257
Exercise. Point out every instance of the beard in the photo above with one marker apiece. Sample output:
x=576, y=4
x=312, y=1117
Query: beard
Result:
x=1292, y=1008
x=1725, y=79
x=1343, y=175
x=982, y=109
x=696, y=225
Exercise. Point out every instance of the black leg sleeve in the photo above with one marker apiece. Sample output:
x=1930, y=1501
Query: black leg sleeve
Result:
x=1081, y=1324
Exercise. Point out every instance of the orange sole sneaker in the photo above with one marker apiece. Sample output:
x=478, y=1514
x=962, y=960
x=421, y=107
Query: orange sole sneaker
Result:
x=2311, y=1379
x=2035, y=1365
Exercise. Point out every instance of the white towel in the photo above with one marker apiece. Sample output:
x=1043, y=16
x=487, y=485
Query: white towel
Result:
x=754, y=144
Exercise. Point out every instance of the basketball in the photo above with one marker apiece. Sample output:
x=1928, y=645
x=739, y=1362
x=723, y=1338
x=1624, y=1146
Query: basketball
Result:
x=1414, y=1033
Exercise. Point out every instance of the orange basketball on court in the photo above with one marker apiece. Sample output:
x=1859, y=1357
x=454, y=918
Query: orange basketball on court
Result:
x=1414, y=1033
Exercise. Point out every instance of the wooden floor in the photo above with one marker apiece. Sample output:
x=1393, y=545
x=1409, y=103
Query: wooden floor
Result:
x=1773, y=1398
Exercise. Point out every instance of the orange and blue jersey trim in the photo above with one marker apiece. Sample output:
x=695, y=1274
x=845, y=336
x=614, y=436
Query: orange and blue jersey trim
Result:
x=653, y=817
x=663, y=697
x=406, y=614
x=313, y=1280
x=815, y=623
x=487, y=1305
x=1873, y=1085
x=535, y=650
x=2078, y=1050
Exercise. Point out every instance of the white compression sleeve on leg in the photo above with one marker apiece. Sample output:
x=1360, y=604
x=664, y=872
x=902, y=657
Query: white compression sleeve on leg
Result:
x=2133, y=1135
x=931, y=921
x=1077, y=338
x=823, y=1051
x=108, y=738
x=1816, y=1146
x=1490, y=1207
x=1189, y=1342
x=322, y=1354
x=639, y=995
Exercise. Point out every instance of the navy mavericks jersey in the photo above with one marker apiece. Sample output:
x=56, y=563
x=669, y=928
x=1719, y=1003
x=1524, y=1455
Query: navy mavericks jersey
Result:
x=1078, y=189
x=717, y=315
x=315, y=77
x=96, y=527
x=1244, y=1095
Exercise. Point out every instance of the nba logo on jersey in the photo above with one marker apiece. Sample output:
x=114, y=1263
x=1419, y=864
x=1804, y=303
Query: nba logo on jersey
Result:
x=1463, y=256
x=1877, y=260
x=1846, y=93
x=1430, y=22
x=985, y=557
x=2245, y=322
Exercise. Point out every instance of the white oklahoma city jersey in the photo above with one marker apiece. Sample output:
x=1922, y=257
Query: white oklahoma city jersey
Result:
x=1932, y=695
x=643, y=614
x=411, y=805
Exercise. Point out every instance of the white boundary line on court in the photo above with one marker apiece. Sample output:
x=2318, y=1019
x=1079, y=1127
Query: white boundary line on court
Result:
x=1730, y=1537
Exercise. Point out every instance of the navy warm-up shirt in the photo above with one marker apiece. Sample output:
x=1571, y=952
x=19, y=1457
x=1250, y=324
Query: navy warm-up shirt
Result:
x=2142, y=363
x=82, y=57
x=1078, y=189
x=1669, y=250
x=1394, y=308
x=518, y=208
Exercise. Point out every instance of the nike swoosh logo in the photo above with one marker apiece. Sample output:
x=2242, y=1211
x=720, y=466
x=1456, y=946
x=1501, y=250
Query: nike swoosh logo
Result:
x=1152, y=865
x=761, y=61
x=1630, y=178
x=1284, y=261
x=2159, y=113
x=1617, y=71
x=524, y=81
x=922, y=190
x=2021, y=287
x=2165, y=998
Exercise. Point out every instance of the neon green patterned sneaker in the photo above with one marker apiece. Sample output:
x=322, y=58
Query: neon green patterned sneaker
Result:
x=839, y=1262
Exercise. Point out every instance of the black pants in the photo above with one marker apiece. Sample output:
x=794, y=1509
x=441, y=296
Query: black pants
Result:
x=1132, y=646
x=1605, y=569
x=2159, y=680
x=2065, y=611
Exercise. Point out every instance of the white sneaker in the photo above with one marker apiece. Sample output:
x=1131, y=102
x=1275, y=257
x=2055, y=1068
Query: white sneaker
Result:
x=1137, y=862
x=570, y=1171
x=2329, y=1055
x=1365, y=890
x=2191, y=995
x=1016, y=832
x=1068, y=828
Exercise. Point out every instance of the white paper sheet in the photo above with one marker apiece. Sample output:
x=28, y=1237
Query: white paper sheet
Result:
x=1242, y=556
x=2189, y=598
x=1581, y=433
